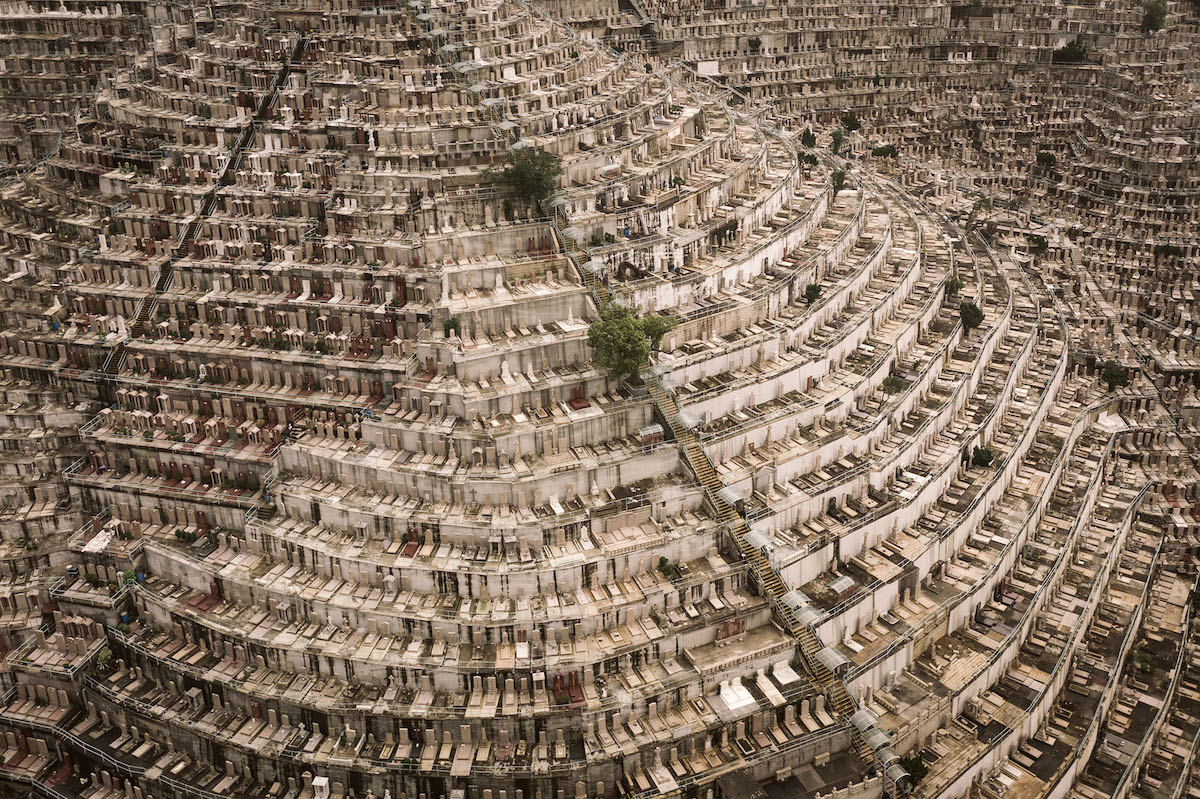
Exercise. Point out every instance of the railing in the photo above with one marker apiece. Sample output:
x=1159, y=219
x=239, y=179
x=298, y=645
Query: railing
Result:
x=1124, y=785
x=1039, y=598
x=16, y=658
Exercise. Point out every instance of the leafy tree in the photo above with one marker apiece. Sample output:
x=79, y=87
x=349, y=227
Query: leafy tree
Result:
x=754, y=43
x=1154, y=15
x=838, y=138
x=982, y=456
x=971, y=316
x=1072, y=53
x=531, y=173
x=1047, y=159
x=850, y=121
x=916, y=767
x=812, y=292
x=981, y=208
x=1037, y=244
x=622, y=342
x=954, y=284
x=452, y=324
x=1114, y=375
x=885, y=151
x=893, y=384
x=839, y=181
x=655, y=326
x=809, y=159
x=807, y=138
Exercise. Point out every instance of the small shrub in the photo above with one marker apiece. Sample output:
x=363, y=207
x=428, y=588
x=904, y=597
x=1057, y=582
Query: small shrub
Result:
x=104, y=659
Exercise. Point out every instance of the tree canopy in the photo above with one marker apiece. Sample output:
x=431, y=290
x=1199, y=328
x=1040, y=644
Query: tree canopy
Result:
x=1114, y=375
x=1154, y=15
x=655, y=326
x=982, y=456
x=916, y=768
x=1072, y=53
x=972, y=317
x=531, y=173
x=621, y=342
x=839, y=181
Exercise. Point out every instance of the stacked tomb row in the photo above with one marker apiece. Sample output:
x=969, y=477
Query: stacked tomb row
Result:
x=54, y=54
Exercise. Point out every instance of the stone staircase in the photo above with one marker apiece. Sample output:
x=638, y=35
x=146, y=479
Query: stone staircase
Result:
x=825, y=679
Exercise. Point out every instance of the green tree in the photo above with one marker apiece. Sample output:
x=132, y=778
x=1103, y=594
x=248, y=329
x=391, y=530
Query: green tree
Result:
x=1114, y=375
x=812, y=292
x=1047, y=159
x=1037, y=244
x=971, y=316
x=754, y=43
x=807, y=138
x=893, y=384
x=655, y=326
x=954, y=284
x=1154, y=15
x=531, y=173
x=982, y=456
x=104, y=659
x=1072, y=53
x=839, y=181
x=916, y=768
x=850, y=121
x=619, y=341
x=979, y=211
x=885, y=151
x=838, y=138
